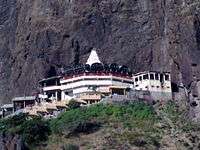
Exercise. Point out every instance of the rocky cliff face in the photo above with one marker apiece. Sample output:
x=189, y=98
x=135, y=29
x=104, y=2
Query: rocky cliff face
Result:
x=11, y=142
x=39, y=36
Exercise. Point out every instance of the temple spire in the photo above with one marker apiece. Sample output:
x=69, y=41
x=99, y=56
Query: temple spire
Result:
x=93, y=58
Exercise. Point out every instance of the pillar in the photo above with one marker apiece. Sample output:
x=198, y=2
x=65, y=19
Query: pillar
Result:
x=14, y=107
x=3, y=113
x=56, y=95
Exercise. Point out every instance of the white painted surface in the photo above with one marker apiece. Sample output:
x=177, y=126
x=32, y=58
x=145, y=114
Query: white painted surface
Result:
x=154, y=86
x=93, y=58
x=51, y=88
x=81, y=84
x=42, y=96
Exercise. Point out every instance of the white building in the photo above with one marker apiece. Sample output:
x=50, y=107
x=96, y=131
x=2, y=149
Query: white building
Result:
x=85, y=83
x=106, y=79
x=159, y=84
x=93, y=76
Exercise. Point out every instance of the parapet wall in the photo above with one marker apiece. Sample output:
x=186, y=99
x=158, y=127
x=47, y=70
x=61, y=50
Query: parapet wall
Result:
x=137, y=95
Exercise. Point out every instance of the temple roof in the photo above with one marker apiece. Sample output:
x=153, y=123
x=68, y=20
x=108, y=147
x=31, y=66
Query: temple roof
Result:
x=93, y=58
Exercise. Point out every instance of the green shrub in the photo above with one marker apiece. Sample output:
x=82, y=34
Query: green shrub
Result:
x=72, y=122
x=73, y=104
x=35, y=131
x=12, y=124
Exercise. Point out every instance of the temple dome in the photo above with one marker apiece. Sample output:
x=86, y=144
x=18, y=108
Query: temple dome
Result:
x=93, y=58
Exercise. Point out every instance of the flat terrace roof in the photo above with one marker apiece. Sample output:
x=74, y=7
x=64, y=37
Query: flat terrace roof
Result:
x=7, y=106
x=145, y=72
x=95, y=76
x=25, y=98
x=118, y=87
x=50, y=78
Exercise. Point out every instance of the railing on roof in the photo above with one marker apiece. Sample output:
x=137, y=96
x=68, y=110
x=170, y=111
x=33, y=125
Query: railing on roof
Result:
x=24, y=98
x=5, y=106
x=96, y=74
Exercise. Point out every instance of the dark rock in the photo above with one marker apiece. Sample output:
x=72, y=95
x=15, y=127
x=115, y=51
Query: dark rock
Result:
x=11, y=142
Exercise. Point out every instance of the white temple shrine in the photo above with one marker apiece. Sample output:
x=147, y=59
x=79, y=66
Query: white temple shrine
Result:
x=105, y=79
x=89, y=79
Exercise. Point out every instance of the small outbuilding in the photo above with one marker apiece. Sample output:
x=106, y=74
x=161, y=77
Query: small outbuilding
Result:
x=23, y=102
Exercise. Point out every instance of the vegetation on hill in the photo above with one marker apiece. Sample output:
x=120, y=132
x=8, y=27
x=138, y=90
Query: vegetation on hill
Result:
x=33, y=131
x=135, y=125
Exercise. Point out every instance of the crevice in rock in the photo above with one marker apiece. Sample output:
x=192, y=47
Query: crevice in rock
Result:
x=197, y=29
x=76, y=50
x=51, y=72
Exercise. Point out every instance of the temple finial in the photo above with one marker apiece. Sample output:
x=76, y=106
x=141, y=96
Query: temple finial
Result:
x=93, y=58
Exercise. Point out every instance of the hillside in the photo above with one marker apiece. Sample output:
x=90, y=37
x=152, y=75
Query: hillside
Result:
x=124, y=126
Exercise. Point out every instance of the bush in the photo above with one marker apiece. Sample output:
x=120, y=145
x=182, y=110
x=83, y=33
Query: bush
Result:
x=13, y=123
x=35, y=131
x=73, y=122
x=73, y=104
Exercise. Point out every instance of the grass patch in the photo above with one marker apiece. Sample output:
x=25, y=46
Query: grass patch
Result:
x=83, y=119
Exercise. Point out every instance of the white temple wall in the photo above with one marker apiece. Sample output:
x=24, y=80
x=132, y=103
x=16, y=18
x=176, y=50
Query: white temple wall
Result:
x=141, y=85
x=51, y=88
x=85, y=83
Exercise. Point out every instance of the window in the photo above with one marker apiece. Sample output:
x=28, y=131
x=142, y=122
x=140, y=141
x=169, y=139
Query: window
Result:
x=152, y=76
x=145, y=77
x=156, y=76
x=140, y=78
x=136, y=79
x=167, y=77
